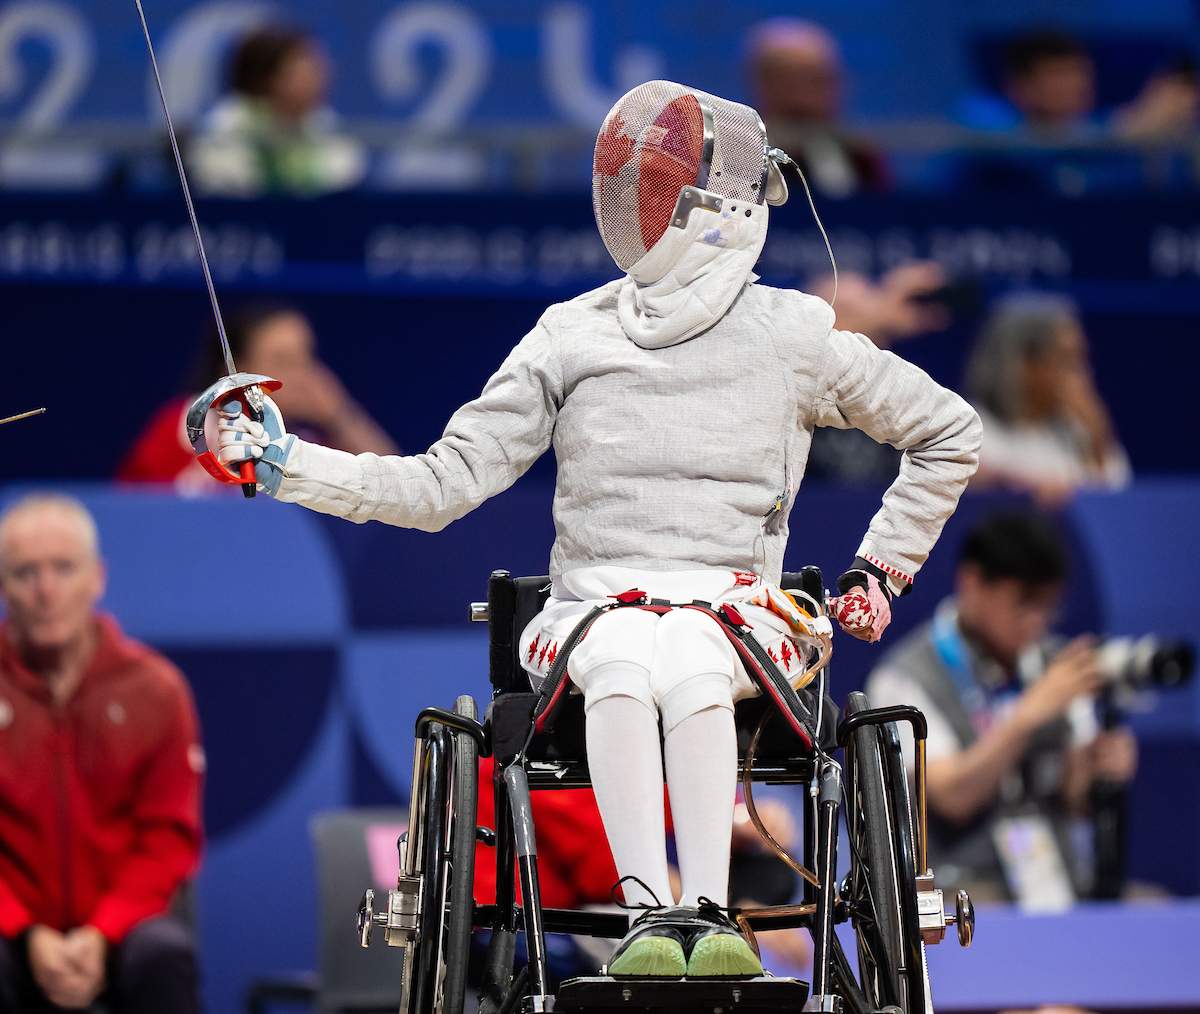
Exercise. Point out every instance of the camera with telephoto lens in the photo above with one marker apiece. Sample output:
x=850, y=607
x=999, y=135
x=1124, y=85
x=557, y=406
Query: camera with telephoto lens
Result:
x=1142, y=663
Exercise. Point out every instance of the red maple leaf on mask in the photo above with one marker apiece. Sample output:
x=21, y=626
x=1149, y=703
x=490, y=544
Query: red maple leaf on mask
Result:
x=613, y=147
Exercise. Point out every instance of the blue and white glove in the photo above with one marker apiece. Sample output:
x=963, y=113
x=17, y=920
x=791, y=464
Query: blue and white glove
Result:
x=267, y=443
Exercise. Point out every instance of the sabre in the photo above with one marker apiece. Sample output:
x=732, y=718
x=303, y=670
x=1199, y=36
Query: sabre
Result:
x=246, y=388
x=22, y=415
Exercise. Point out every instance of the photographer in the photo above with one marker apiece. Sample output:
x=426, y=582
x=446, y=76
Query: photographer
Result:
x=1013, y=744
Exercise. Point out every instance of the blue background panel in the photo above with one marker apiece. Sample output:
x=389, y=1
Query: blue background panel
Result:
x=196, y=571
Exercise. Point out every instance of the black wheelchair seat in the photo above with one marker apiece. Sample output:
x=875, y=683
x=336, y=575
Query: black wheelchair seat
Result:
x=560, y=751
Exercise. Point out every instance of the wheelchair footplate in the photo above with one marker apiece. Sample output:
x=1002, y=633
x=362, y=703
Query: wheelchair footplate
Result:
x=715, y=996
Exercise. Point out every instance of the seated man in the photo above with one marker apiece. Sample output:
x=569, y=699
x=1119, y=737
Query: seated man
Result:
x=1013, y=743
x=100, y=767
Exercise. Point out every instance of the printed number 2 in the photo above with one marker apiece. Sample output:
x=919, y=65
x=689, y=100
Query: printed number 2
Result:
x=466, y=62
x=70, y=41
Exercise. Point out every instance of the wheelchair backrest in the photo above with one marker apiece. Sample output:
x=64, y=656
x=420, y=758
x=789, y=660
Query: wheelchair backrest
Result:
x=514, y=601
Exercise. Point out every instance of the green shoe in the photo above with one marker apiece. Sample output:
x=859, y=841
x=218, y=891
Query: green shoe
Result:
x=653, y=947
x=717, y=950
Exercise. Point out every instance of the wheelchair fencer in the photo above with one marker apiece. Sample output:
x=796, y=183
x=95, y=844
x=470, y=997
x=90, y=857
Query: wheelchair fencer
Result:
x=538, y=744
x=680, y=401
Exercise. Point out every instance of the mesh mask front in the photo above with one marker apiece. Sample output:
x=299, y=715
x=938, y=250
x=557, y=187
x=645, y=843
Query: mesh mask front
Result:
x=662, y=136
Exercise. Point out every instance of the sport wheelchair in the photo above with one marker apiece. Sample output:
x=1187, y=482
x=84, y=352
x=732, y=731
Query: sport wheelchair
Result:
x=888, y=894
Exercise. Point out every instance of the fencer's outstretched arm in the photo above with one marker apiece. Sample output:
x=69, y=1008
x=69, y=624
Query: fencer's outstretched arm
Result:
x=487, y=445
x=897, y=403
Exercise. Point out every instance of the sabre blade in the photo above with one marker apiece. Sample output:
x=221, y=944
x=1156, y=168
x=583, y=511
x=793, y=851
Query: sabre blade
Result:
x=187, y=196
x=22, y=415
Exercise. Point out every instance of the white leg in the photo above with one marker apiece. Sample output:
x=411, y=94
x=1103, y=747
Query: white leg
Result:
x=701, y=754
x=625, y=762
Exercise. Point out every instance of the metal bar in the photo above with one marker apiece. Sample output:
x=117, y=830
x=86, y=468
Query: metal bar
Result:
x=526, y=849
x=922, y=809
x=881, y=716
x=827, y=821
x=441, y=716
x=506, y=861
x=575, y=776
x=187, y=196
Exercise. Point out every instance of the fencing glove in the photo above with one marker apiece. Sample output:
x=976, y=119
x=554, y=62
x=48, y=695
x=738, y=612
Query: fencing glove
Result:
x=267, y=443
x=864, y=607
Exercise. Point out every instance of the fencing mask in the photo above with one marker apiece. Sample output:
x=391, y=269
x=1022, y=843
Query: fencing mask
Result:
x=678, y=186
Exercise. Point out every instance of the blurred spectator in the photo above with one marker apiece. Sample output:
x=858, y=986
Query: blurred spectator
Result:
x=1059, y=143
x=1013, y=744
x=100, y=769
x=1051, y=80
x=890, y=310
x=1168, y=107
x=276, y=340
x=275, y=134
x=796, y=77
x=1046, y=429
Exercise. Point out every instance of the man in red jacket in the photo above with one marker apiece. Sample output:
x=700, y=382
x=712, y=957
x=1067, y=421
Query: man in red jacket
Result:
x=100, y=780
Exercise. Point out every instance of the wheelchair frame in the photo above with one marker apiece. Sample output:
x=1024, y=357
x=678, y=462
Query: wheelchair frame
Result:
x=895, y=911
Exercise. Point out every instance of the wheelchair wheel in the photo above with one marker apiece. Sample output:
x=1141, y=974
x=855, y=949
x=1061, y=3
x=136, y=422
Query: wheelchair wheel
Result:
x=442, y=826
x=460, y=912
x=883, y=890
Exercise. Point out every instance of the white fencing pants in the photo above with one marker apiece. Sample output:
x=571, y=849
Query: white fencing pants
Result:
x=632, y=667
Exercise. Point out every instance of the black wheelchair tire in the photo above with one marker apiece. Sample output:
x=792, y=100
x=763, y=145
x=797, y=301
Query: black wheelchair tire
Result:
x=424, y=965
x=461, y=896
x=882, y=873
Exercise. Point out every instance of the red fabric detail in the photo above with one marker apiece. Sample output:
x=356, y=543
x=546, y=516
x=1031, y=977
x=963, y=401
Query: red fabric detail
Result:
x=101, y=816
x=160, y=452
x=740, y=577
x=533, y=648
x=553, y=652
x=627, y=598
x=774, y=658
x=670, y=159
x=733, y=615
x=542, y=653
x=575, y=864
x=887, y=569
x=785, y=654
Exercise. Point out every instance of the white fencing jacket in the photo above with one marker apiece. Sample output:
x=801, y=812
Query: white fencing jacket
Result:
x=670, y=459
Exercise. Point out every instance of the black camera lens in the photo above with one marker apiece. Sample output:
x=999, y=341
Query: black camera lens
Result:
x=1172, y=664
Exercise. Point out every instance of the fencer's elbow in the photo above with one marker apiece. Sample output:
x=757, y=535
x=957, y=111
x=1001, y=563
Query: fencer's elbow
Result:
x=972, y=436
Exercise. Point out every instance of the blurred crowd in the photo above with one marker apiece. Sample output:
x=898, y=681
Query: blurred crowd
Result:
x=1051, y=114
x=1038, y=129
x=1035, y=128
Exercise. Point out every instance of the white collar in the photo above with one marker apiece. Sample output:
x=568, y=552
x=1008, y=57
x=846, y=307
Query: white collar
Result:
x=687, y=281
